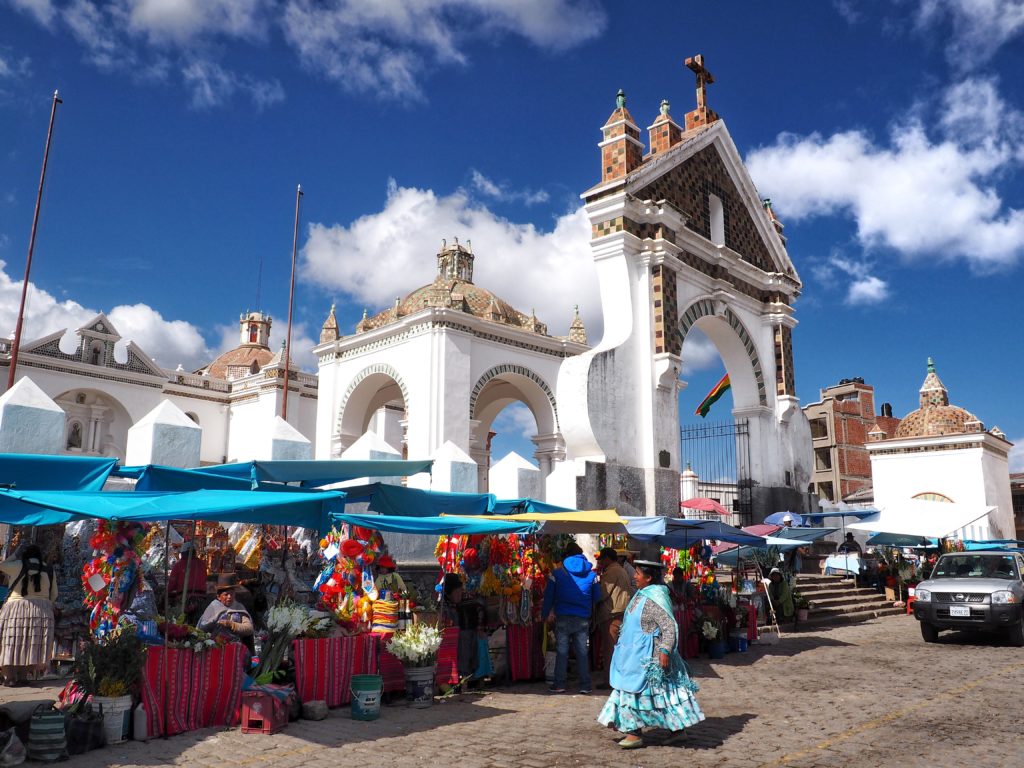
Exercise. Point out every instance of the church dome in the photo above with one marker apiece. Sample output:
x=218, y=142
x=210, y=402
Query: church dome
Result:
x=936, y=416
x=252, y=353
x=453, y=288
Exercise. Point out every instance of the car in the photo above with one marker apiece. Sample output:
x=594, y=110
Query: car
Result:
x=973, y=590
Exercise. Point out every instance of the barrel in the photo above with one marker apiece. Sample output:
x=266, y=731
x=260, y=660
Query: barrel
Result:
x=366, y=692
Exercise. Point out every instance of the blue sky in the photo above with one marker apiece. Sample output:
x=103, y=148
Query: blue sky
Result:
x=890, y=136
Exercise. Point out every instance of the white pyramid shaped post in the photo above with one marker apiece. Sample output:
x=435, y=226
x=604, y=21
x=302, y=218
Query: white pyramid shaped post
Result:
x=164, y=436
x=372, y=447
x=453, y=471
x=514, y=478
x=283, y=442
x=560, y=485
x=30, y=422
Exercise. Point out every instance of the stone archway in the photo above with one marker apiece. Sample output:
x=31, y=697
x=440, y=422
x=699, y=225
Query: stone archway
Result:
x=499, y=387
x=97, y=424
x=376, y=392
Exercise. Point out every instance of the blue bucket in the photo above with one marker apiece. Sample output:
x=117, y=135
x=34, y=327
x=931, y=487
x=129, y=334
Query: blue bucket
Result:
x=737, y=643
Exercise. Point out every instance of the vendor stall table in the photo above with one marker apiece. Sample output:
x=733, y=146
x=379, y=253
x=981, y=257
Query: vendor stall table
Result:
x=525, y=660
x=324, y=666
x=448, y=658
x=202, y=689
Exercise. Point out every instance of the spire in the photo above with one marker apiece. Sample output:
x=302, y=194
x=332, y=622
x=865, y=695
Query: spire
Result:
x=702, y=115
x=621, y=150
x=577, y=333
x=455, y=262
x=933, y=392
x=329, y=330
x=363, y=325
x=664, y=133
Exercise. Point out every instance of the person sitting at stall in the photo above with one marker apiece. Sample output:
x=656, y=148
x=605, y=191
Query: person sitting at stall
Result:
x=849, y=547
x=388, y=579
x=781, y=597
x=225, y=615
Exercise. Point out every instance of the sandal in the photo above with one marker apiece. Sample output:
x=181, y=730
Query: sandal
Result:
x=632, y=743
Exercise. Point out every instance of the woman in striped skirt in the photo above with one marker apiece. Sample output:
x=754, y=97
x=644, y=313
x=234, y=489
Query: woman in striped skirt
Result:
x=26, y=620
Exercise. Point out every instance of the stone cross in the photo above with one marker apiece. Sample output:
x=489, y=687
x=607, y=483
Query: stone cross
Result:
x=704, y=79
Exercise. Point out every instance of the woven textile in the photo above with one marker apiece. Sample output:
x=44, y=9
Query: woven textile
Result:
x=525, y=660
x=448, y=658
x=26, y=632
x=388, y=666
x=202, y=689
x=324, y=666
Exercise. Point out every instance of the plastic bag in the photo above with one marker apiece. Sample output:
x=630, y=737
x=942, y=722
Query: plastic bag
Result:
x=12, y=751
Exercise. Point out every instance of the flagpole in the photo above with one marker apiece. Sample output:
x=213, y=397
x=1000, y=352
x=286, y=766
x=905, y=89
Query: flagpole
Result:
x=291, y=301
x=31, y=246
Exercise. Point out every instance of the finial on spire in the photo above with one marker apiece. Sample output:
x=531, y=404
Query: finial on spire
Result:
x=664, y=107
x=931, y=365
x=767, y=203
x=332, y=306
x=620, y=99
x=456, y=239
x=364, y=313
x=444, y=243
x=469, y=245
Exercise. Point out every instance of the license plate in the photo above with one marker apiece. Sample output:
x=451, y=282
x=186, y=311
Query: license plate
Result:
x=960, y=610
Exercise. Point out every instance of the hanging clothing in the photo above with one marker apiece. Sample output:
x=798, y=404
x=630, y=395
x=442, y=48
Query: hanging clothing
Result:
x=644, y=694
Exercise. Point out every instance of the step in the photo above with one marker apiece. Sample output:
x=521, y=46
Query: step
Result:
x=832, y=602
x=823, y=594
x=853, y=617
x=844, y=609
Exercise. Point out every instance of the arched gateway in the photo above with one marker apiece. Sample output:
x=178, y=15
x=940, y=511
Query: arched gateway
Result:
x=681, y=240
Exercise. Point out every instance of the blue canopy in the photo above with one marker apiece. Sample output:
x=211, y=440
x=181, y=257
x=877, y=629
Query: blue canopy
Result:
x=449, y=525
x=316, y=473
x=308, y=510
x=387, y=499
x=778, y=518
x=1008, y=544
x=520, y=506
x=860, y=514
x=29, y=471
x=900, y=540
x=806, y=534
x=681, y=533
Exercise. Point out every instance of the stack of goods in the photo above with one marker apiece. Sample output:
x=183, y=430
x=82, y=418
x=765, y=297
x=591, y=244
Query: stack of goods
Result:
x=249, y=547
x=385, y=616
x=112, y=573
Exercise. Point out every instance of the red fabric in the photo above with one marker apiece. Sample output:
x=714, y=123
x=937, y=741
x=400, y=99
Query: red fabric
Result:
x=751, y=622
x=447, y=672
x=196, y=576
x=324, y=666
x=388, y=666
x=202, y=689
x=525, y=661
x=688, y=640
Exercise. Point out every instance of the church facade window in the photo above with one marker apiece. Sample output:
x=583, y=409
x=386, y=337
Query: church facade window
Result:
x=717, y=213
x=75, y=436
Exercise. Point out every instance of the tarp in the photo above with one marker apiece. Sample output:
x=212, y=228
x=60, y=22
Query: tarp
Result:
x=900, y=540
x=1009, y=544
x=806, y=534
x=387, y=499
x=520, y=506
x=916, y=517
x=36, y=472
x=679, y=533
x=316, y=473
x=860, y=514
x=449, y=525
x=591, y=521
x=308, y=510
x=731, y=556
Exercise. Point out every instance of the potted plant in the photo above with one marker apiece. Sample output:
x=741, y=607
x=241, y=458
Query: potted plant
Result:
x=715, y=643
x=416, y=647
x=803, y=606
x=109, y=672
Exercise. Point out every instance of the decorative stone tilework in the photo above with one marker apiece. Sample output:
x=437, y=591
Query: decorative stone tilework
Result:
x=664, y=292
x=383, y=368
x=784, y=377
x=498, y=371
x=706, y=308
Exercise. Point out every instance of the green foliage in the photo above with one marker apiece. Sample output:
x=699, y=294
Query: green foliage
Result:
x=111, y=667
x=799, y=601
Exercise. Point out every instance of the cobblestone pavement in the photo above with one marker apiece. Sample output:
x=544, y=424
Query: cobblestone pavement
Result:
x=867, y=695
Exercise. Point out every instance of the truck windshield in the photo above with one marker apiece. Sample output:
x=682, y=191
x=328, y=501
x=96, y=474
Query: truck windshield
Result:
x=975, y=566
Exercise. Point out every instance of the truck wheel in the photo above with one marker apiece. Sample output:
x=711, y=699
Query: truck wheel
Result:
x=1016, y=634
x=930, y=634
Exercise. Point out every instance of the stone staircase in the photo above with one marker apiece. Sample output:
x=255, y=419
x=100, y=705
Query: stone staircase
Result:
x=835, y=600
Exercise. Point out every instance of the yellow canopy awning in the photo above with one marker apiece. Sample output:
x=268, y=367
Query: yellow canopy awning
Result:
x=587, y=521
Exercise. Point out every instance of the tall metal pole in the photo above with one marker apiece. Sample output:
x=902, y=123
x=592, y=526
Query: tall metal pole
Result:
x=291, y=301
x=31, y=246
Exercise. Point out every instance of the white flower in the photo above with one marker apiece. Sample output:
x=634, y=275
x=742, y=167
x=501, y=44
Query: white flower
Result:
x=418, y=644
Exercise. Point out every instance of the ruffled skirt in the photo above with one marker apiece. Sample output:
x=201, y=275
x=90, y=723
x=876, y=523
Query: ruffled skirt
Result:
x=26, y=632
x=671, y=706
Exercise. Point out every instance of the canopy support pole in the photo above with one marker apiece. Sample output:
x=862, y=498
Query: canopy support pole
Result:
x=167, y=619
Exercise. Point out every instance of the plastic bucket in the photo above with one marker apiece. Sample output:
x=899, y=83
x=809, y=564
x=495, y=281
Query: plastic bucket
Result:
x=116, y=714
x=716, y=649
x=737, y=643
x=419, y=686
x=366, y=691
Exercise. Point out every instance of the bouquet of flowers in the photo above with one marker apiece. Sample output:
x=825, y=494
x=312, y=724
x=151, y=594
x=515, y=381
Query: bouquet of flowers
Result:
x=181, y=635
x=416, y=646
x=285, y=622
x=709, y=629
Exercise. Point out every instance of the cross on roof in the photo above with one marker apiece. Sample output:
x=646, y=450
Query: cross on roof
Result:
x=704, y=78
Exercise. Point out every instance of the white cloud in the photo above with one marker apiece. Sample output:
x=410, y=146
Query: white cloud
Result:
x=42, y=10
x=867, y=290
x=1017, y=455
x=923, y=197
x=11, y=68
x=862, y=287
x=516, y=422
x=699, y=353
x=211, y=85
x=502, y=193
x=181, y=21
x=978, y=28
x=169, y=341
x=549, y=271
x=385, y=47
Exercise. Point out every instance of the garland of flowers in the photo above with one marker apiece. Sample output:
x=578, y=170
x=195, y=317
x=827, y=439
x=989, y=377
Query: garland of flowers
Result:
x=345, y=583
x=111, y=574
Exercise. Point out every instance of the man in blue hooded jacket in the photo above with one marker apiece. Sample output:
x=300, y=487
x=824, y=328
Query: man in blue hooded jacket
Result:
x=570, y=597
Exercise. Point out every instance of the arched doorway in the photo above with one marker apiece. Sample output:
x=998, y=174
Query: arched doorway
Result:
x=96, y=423
x=375, y=401
x=513, y=391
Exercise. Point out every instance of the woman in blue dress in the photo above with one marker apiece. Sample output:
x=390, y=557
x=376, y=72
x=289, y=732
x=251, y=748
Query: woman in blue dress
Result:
x=650, y=681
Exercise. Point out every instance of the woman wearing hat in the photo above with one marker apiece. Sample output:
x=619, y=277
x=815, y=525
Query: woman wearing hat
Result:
x=650, y=681
x=225, y=614
x=26, y=620
x=388, y=579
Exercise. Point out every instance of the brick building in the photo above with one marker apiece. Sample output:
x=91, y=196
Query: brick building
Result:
x=1017, y=494
x=840, y=424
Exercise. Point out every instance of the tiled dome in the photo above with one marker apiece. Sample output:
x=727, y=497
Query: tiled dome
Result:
x=936, y=416
x=238, y=362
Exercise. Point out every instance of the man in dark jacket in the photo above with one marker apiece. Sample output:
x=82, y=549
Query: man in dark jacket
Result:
x=570, y=597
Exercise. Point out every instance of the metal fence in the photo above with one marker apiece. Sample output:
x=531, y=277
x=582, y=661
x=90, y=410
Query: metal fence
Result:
x=719, y=453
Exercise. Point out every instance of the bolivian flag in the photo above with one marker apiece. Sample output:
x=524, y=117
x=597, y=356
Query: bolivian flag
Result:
x=713, y=396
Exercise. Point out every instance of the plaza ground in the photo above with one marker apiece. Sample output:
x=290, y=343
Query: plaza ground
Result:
x=871, y=694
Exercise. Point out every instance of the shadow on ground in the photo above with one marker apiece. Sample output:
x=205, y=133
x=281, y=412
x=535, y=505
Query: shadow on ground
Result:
x=709, y=734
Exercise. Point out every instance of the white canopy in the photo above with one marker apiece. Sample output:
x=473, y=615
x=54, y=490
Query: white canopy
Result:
x=929, y=519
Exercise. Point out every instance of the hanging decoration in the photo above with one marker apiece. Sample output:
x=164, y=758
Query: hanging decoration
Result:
x=114, y=569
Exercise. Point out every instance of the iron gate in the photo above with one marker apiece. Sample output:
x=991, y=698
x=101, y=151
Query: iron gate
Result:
x=719, y=453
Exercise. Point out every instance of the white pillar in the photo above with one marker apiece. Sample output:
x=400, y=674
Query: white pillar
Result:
x=515, y=478
x=30, y=422
x=163, y=436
